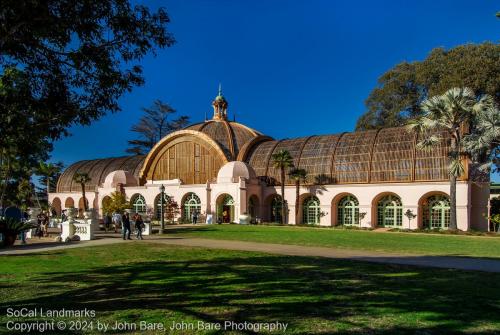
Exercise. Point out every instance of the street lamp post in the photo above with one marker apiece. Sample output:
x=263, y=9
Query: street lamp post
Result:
x=162, y=207
x=409, y=214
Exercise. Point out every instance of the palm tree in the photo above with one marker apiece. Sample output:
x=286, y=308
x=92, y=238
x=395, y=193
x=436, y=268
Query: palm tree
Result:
x=48, y=170
x=282, y=160
x=484, y=142
x=449, y=112
x=82, y=178
x=297, y=175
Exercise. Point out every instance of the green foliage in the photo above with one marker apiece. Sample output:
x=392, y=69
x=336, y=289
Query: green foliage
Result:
x=153, y=126
x=401, y=90
x=118, y=203
x=63, y=63
x=282, y=160
x=14, y=226
x=49, y=173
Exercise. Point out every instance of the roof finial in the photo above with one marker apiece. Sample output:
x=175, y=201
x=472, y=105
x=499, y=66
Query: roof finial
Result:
x=220, y=89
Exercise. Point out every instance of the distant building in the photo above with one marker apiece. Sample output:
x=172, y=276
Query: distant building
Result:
x=224, y=168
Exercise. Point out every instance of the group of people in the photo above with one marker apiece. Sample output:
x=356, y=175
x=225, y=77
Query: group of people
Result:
x=125, y=223
x=42, y=227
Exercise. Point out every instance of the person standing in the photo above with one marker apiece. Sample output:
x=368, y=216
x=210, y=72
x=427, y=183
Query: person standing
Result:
x=117, y=221
x=107, y=221
x=126, y=226
x=139, y=225
x=195, y=217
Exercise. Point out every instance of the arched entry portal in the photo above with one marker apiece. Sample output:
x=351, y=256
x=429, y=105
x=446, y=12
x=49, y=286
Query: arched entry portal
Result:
x=225, y=208
x=253, y=208
x=56, y=206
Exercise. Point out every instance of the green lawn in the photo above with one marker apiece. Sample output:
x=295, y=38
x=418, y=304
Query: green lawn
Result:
x=144, y=281
x=429, y=244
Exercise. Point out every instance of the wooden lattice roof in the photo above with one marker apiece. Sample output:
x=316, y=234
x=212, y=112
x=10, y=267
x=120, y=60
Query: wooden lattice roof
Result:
x=373, y=156
x=97, y=169
x=230, y=136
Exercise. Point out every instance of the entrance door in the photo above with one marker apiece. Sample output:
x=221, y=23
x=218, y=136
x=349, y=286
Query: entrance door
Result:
x=226, y=214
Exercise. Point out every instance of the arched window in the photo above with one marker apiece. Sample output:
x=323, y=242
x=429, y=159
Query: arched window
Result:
x=190, y=204
x=138, y=204
x=390, y=211
x=436, y=212
x=158, y=205
x=276, y=205
x=311, y=211
x=348, y=211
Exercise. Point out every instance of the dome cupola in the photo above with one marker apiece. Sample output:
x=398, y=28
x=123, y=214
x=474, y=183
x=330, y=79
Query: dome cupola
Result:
x=220, y=106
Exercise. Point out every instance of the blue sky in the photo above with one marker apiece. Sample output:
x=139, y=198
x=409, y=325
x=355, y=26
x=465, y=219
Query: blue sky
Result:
x=287, y=68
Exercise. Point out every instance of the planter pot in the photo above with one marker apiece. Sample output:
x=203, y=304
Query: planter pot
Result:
x=9, y=239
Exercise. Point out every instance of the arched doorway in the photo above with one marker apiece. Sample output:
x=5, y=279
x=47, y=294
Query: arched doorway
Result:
x=436, y=212
x=138, y=204
x=253, y=208
x=311, y=212
x=69, y=202
x=390, y=211
x=348, y=211
x=275, y=209
x=225, y=208
x=56, y=206
x=191, y=203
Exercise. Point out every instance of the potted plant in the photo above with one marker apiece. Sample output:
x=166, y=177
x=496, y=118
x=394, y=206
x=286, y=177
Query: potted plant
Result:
x=11, y=228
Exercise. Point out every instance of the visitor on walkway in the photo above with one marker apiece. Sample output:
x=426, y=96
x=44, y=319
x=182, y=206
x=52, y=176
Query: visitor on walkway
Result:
x=107, y=221
x=117, y=221
x=195, y=217
x=139, y=225
x=126, y=226
x=64, y=217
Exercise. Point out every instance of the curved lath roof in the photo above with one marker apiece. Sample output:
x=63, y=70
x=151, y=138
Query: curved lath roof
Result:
x=97, y=169
x=230, y=136
x=372, y=156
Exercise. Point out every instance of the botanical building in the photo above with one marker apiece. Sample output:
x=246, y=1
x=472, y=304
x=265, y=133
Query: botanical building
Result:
x=224, y=168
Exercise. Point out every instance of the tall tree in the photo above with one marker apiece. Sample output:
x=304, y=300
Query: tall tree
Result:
x=153, y=126
x=82, y=178
x=450, y=112
x=298, y=175
x=484, y=142
x=282, y=160
x=49, y=173
x=65, y=62
x=401, y=90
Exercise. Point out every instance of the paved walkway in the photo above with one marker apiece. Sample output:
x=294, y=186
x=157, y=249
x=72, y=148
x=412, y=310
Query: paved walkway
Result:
x=462, y=263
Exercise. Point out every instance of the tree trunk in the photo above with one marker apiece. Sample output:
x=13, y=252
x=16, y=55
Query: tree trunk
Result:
x=283, y=195
x=297, y=195
x=84, y=198
x=453, y=203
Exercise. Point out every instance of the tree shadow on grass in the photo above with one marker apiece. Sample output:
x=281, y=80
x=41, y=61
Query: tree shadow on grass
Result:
x=312, y=295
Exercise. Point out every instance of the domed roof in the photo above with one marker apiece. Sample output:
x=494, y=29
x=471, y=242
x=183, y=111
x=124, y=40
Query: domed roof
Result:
x=120, y=177
x=230, y=136
x=232, y=171
x=98, y=170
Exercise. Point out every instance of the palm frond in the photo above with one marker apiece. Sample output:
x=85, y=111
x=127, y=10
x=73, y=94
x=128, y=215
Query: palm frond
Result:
x=428, y=142
x=456, y=168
